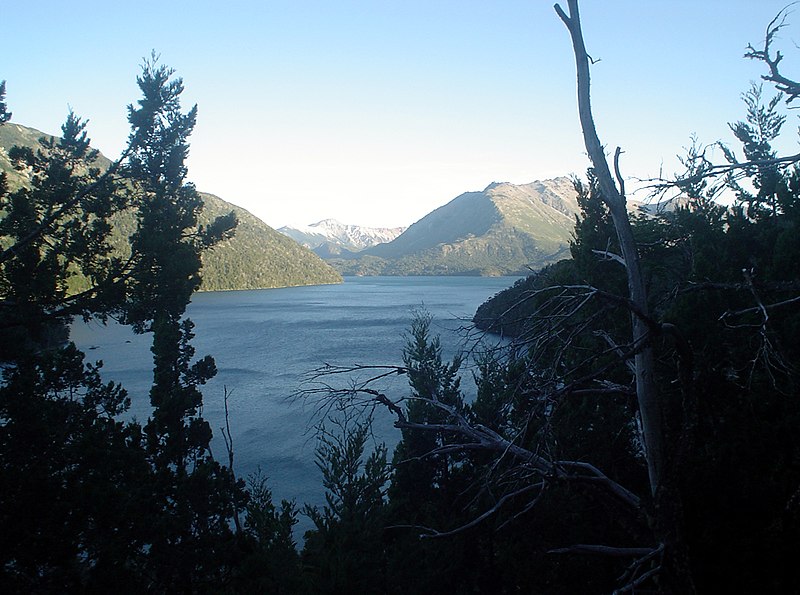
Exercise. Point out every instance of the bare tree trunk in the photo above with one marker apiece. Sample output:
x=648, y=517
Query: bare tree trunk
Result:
x=668, y=511
x=614, y=197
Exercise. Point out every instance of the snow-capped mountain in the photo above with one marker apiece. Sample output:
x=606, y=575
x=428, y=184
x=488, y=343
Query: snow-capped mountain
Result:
x=332, y=236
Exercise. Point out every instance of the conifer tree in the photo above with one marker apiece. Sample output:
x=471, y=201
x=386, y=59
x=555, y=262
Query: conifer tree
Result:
x=71, y=503
x=98, y=502
x=198, y=498
x=344, y=552
x=53, y=230
x=270, y=562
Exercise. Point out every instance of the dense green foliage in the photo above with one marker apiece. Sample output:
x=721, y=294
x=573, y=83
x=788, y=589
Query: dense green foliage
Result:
x=258, y=256
x=344, y=552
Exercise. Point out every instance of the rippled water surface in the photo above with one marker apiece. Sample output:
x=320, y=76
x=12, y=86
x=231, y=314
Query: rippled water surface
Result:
x=265, y=343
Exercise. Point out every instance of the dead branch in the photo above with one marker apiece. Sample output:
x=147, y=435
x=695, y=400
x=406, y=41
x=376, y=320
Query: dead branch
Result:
x=589, y=292
x=734, y=170
x=618, y=173
x=228, y=438
x=609, y=390
x=480, y=437
x=608, y=255
x=474, y=436
x=433, y=533
x=324, y=395
x=740, y=169
x=635, y=575
x=604, y=550
x=692, y=286
x=782, y=83
x=625, y=357
x=759, y=308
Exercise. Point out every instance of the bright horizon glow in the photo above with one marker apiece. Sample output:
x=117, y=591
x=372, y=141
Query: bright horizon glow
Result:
x=377, y=112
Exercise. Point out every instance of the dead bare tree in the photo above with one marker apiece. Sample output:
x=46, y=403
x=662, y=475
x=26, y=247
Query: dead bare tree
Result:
x=667, y=510
x=613, y=194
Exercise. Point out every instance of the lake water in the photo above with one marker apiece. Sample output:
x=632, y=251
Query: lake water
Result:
x=265, y=343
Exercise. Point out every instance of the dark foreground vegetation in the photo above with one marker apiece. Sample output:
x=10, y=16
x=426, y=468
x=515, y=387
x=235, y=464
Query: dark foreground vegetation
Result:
x=636, y=433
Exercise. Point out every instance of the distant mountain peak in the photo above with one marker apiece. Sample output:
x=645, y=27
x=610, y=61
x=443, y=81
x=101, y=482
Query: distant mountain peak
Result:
x=504, y=229
x=331, y=236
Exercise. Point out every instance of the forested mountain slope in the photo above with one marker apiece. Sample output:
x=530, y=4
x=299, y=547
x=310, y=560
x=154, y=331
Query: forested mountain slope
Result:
x=256, y=257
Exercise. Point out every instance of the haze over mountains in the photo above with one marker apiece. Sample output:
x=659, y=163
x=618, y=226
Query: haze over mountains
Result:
x=505, y=229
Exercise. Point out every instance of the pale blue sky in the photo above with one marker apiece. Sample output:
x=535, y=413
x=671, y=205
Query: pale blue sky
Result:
x=376, y=112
